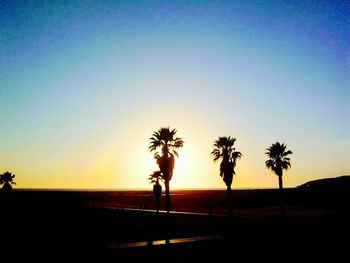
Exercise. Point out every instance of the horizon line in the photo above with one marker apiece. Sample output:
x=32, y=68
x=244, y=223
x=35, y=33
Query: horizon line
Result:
x=141, y=189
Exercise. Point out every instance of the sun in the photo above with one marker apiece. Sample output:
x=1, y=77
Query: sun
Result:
x=184, y=165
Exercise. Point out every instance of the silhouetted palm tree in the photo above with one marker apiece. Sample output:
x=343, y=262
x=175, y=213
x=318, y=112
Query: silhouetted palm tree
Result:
x=163, y=143
x=278, y=160
x=7, y=180
x=157, y=188
x=223, y=148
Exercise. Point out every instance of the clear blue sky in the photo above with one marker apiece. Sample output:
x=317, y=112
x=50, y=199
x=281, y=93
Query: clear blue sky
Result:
x=84, y=84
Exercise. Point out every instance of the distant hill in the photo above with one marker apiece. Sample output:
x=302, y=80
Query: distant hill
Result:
x=340, y=183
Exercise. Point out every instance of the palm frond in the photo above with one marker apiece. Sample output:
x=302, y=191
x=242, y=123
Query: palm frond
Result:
x=7, y=177
x=286, y=159
x=285, y=165
x=178, y=143
x=175, y=153
x=155, y=176
x=269, y=163
x=223, y=147
x=163, y=142
x=236, y=155
x=287, y=153
x=216, y=153
x=278, y=159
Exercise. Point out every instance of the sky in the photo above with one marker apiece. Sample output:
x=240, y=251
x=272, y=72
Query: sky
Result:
x=84, y=84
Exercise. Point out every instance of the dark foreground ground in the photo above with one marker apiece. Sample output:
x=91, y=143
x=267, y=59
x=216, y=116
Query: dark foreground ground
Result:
x=64, y=225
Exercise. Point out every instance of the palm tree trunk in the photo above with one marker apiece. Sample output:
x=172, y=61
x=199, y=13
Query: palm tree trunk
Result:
x=167, y=197
x=282, y=204
x=280, y=183
x=229, y=200
x=7, y=186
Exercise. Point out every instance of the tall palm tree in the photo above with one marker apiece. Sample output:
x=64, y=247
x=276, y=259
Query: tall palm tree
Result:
x=223, y=149
x=154, y=179
x=163, y=143
x=7, y=180
x=278, y=160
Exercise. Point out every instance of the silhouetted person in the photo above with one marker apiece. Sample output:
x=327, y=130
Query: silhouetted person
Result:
x=157, y=188
x=157, y=191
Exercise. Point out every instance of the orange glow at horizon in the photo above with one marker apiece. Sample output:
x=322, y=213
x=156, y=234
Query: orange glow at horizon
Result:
x=119, y=159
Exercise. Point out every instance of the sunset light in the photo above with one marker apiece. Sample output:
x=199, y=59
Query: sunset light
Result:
x=84, y=86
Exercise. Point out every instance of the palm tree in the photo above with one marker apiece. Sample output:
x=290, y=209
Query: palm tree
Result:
x=157, y=188
x=7, y=180
x=278, y=160
x=223, y=148
x=163, y=144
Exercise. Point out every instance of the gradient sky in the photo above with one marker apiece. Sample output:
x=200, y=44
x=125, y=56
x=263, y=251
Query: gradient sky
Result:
x=84, y=84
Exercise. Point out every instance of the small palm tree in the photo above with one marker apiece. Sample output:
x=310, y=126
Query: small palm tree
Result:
x=7, y=180
x=163, y=143
x=278, y=160
x=154, y=179
x=223, y=149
